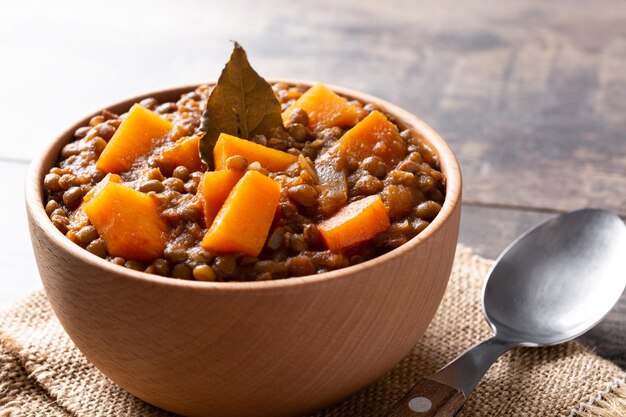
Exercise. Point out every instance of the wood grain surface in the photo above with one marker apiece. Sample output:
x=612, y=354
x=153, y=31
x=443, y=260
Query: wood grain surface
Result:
x=531, y=95
x=429, y=398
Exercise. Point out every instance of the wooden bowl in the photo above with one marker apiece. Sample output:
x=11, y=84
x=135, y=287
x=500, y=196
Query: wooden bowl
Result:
x=273, y=348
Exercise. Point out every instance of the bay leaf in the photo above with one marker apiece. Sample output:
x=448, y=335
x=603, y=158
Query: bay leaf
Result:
x=241, y=104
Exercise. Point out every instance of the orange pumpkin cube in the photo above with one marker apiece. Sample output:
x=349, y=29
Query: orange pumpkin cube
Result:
x=271, y=159
x=128, y=221
x=375, y=135
x=78, y=218
x=183, y=152
x=357, y=222
x=243, y=222
x=140, y=132
x=325, y=108
x=214, y=188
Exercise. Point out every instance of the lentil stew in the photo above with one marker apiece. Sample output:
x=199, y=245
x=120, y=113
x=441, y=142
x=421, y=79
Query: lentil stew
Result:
x=340, y=185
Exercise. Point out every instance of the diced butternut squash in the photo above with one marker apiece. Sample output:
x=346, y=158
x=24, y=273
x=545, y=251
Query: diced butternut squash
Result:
x=374, y=136
x=78, y=218
x=243, y=222
x=140, y=132
x=357, y=222
x=214, y=188
x=128, y=221
x=183, y=152
x=271, y=159
x=324, y=108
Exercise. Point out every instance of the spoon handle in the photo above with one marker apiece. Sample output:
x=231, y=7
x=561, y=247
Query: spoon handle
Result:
x=443, y=394
x=429, y=398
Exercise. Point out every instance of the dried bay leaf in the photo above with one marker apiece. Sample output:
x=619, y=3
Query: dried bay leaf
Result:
x=242, y=104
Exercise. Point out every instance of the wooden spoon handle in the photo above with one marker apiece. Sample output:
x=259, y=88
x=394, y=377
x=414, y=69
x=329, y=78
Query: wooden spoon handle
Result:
x=429, y=398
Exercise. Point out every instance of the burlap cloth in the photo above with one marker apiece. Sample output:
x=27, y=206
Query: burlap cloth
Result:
x=43, y=374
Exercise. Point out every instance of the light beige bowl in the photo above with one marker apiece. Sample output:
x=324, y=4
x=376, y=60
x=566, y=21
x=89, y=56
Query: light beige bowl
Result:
x=273, y=348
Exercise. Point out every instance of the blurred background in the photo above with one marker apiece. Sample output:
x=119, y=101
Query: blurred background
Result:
x=531, y=95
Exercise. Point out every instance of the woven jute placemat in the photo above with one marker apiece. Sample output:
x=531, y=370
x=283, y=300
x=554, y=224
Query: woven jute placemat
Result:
x=43, y=374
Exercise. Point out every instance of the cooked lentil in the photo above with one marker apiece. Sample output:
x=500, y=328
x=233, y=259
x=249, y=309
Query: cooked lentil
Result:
x=99, y=248
x=412, y=191
x=181, y=172
x=203, y=273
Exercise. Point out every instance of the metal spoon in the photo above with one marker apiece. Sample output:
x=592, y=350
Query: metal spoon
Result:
x=551, y=285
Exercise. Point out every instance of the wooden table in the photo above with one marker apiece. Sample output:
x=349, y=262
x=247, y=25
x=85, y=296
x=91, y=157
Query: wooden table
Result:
x=530, y=95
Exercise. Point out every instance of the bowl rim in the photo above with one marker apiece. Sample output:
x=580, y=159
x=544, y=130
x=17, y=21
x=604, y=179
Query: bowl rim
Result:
x=448, y=164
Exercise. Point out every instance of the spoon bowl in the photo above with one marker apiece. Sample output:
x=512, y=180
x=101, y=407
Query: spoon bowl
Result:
x=558, y=280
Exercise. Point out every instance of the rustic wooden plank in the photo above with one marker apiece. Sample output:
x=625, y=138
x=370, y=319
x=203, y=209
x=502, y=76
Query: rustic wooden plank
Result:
x=538, y=127
x=488, y=231
x=18, y=275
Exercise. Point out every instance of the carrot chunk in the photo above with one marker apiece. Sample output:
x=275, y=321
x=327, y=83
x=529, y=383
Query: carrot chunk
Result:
x=183, y=152
x=374, y=136
x=214, y=188
x=128, y=221
x=140, y=132
x=271, y=159
x=78, y=218
x=357, y=222
x=243, y=222
x=325, y=108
